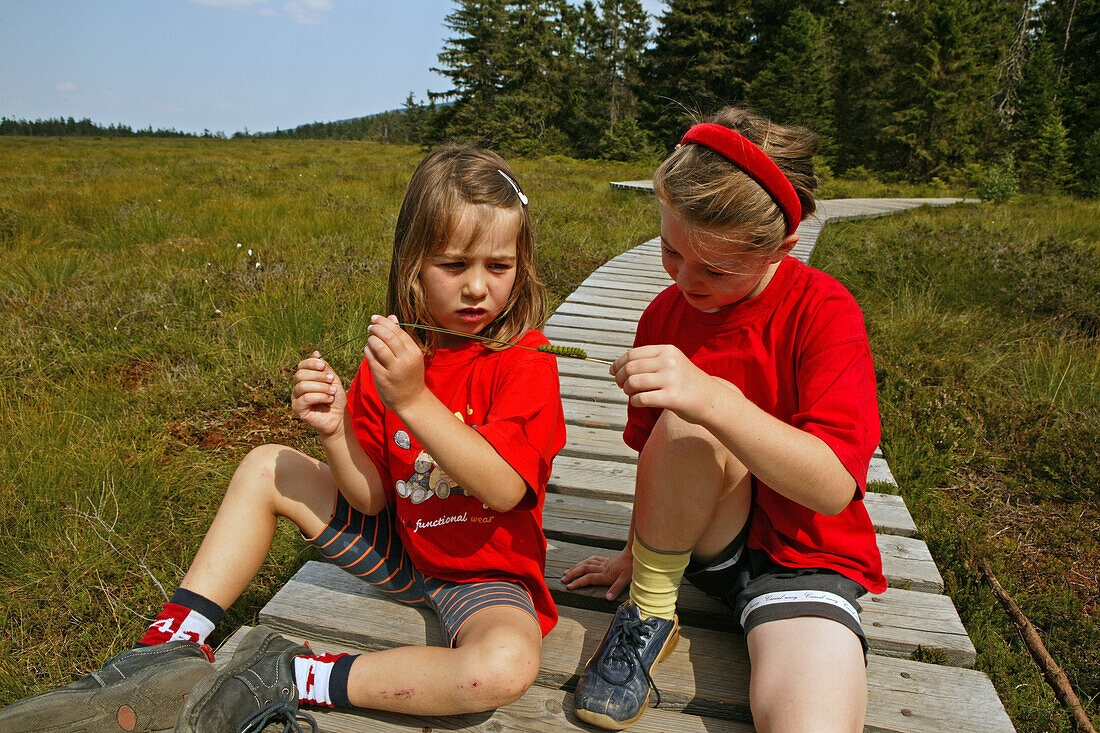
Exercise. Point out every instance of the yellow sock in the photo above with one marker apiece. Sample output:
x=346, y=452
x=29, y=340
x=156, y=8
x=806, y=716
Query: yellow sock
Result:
x=656, y=580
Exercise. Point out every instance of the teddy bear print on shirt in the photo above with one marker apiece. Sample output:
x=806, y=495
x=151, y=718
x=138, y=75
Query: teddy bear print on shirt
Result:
x=426, y=481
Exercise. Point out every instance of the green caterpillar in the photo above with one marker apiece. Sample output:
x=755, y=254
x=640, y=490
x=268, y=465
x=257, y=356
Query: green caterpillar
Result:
x=570, y=351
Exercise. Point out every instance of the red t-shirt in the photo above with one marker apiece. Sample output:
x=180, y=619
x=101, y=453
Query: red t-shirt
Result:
x=512, y=398
x=799, y=351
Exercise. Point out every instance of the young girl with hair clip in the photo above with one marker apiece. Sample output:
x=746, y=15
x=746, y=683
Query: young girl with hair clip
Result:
x=438, y=458
x=753, y=408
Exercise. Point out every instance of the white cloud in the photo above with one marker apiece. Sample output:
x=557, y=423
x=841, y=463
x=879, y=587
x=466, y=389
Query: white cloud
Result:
x=227, y=106
x=308, y=12
x=65, y=86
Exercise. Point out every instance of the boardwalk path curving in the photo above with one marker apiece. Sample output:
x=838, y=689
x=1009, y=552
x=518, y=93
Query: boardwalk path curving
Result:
x=704, y=683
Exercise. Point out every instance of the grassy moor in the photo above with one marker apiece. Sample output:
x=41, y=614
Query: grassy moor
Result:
x=156, y=293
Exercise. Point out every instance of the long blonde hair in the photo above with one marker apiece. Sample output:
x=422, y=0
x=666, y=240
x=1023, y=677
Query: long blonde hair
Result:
x=451, y=178
x=717, y=197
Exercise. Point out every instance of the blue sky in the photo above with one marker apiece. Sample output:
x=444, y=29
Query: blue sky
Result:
x=218, y=64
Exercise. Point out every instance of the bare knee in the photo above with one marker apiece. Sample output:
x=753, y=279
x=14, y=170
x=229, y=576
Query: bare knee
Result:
x=498, y=674
x=807, y=675
x=671, y=429
x=263, y=471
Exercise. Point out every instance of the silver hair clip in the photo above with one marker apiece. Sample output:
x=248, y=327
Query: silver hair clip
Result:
x=522, y=198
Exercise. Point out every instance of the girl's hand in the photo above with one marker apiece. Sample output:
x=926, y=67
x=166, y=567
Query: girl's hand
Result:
x=661, y=376
x=318, y=396
x=396, y=362
x=612, y=571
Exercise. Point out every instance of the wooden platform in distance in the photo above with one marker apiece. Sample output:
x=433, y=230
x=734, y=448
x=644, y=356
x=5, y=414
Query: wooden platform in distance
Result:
x=705, y=682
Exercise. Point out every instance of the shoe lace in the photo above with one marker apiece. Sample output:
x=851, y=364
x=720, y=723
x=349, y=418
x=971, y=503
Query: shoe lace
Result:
x=623, y=647
x=273, y=712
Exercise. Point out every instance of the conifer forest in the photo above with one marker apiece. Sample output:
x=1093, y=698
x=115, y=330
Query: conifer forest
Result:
x=913, y=89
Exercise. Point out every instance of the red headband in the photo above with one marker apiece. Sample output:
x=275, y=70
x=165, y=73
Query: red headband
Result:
x=739, y=150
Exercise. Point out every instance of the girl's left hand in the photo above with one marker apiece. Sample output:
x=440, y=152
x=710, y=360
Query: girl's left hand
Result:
x=661, y=376
x=396, y=362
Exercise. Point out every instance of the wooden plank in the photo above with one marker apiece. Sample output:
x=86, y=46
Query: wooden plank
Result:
x=600, y=389
x=906, y=562
x=613, y=317
x=584, y=440
x=592, y=320
x=889, y=514
x=592, y=414
x=636, y=273
x=540, y=709
x=615, y=293
x=638, y=260
x=640, y=285
x=589, y=369
x=568, y=334
x=880, y=471
x=614, y=481
x=707, y=674
x=578, y=476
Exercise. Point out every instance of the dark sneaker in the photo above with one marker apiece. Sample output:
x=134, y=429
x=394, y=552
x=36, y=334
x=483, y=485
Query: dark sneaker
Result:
x=254, y=689
x=614, y=689
x=139, y=690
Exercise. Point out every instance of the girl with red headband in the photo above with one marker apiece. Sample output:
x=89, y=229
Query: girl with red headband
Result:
x=753, y=408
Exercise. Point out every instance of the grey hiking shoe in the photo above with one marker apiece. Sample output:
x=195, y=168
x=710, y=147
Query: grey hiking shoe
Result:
x=140, y=690
x=256, y=688
x=614, y=688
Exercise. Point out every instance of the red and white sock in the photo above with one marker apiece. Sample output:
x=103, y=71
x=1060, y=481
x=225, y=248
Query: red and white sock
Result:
x=188, y=616
x=177, y=622
x=314, y=677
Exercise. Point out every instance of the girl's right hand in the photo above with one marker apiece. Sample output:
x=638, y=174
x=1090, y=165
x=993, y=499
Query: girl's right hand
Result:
x=612, y=571
x=318, y=396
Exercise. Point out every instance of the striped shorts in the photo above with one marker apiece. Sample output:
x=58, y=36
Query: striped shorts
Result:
x=369, y=548
x=759, y=589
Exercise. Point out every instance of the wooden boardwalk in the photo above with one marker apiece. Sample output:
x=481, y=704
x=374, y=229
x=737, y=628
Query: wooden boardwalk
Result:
x=704, y=683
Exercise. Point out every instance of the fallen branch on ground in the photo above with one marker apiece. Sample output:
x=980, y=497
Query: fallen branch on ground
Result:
x=1054, y=674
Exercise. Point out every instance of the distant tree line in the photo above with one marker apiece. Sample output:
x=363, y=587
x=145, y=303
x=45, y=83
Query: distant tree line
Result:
x=911, y=88
x=85, y=128
x=395, y=126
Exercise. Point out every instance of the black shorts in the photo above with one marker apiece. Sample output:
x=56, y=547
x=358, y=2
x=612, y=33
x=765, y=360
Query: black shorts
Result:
x=369, y=548
x=759, y=590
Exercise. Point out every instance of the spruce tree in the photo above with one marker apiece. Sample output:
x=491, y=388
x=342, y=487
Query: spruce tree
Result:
x=699, y=62
x=1072, y=28
x=861, y=76
x=793, y=84
x=472, y=60
x=945, y=53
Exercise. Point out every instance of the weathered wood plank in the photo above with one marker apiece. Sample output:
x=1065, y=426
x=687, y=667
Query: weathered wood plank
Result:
x=582, y=440
x=617, y=293
x=593, y=321
x=561, y=334
x=540, y=709
x=578, y=476
x=636, y=273
x=880, y=471
x=593, y=414
x=603, y=307
x=707, y=674
x=595, y=388
x=906, y=562
x=614, y=481
x=623, y=282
